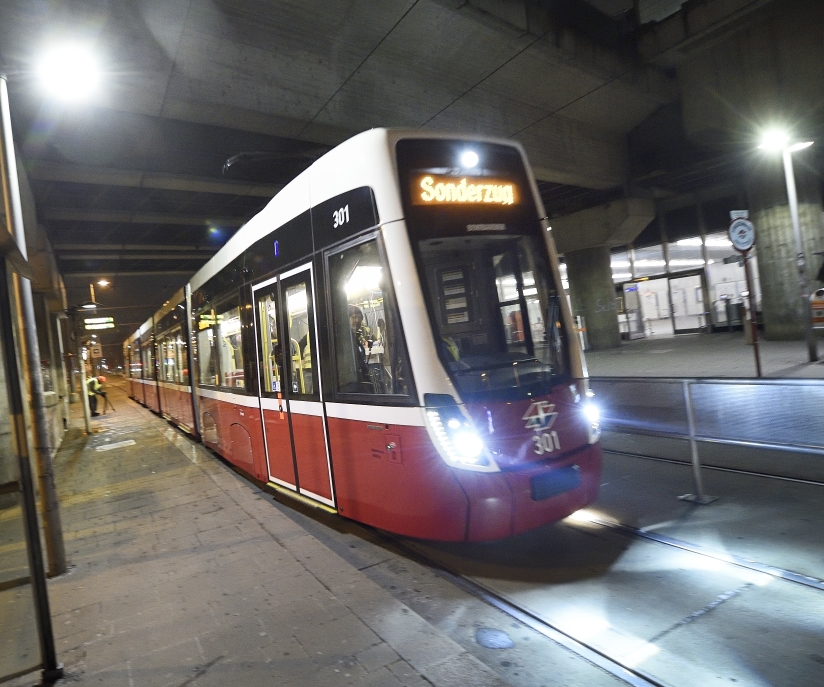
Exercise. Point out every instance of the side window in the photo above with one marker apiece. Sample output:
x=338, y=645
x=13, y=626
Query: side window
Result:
x=271, y=351
x=180, y=357
x=206, y=355
x=229, y=346
x=168, y=362
x=297, y=297
x=370, y=355
x=147, y=359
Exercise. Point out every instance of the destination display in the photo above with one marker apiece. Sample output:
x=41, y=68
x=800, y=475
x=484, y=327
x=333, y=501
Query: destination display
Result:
x=432, y=189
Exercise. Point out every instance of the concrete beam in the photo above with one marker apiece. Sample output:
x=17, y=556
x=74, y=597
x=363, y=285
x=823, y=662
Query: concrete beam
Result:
x=118, y=274
x=106, y=176
x=694, y=26
x=133, y=256
x=613, y=224
x=74, y=215
x=206, y=251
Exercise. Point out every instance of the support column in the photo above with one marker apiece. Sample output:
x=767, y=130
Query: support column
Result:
x=593, y=295
x=784, y=316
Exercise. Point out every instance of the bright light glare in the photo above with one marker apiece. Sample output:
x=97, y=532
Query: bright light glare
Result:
x=592, y=413
x=69, y=73
x=799, y=146
x=364, y=278
x=469, y=159
x=103, y=282
x=296, y=302
x=774, y=139
x=468, y=444
x=637, y=656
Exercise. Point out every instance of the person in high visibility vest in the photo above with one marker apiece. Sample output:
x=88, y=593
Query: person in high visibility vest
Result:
x=94, y=388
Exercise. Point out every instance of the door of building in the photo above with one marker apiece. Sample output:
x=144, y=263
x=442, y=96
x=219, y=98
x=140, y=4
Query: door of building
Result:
x=687, y=297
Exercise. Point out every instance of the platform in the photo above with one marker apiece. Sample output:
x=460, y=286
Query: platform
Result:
x=183, y=573
x=705, y=355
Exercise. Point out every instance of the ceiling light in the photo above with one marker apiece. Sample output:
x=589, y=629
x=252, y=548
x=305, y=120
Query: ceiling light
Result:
x=69, y=72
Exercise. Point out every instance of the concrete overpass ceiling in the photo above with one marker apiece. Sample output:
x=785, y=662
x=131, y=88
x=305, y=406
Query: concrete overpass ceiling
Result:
x=190, y=84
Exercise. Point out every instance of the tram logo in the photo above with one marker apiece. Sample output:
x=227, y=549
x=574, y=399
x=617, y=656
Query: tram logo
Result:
x=540, y=416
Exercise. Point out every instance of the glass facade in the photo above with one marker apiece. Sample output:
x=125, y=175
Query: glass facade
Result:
x=674, y=279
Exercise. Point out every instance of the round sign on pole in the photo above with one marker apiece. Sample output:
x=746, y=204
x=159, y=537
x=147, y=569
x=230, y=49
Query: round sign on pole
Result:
x=742, y=234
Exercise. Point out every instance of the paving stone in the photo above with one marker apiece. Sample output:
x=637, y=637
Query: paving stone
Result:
x=186, y=574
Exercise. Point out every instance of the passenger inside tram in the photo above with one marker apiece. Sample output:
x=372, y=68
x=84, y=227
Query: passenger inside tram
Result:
x=370, y=357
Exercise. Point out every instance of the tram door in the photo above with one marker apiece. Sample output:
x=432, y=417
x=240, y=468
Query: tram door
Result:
x=289, y=377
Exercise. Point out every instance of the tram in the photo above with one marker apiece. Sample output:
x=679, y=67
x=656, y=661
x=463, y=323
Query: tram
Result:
x=388, y=339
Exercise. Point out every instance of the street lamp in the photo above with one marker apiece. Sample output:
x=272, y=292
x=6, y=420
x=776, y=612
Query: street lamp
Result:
x=776, y=140
x=70, y=74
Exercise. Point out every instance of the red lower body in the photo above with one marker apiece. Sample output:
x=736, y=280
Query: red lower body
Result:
x=408, y=489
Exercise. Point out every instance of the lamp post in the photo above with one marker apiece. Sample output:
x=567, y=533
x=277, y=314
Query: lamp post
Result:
x=72, y=73
x=775, y=140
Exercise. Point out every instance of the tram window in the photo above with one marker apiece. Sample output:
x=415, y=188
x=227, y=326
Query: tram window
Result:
x=301, y=339
x=173, y=358
x=167, y=362
x=206, y=355
x=180, y=357
x=229, y=346
x=147, y=358
x=496, y=313
x=369, y=352
x=270, y=348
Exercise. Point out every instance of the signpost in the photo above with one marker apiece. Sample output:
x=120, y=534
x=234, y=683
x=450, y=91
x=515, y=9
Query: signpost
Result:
x=96, y=351
x=742, y=235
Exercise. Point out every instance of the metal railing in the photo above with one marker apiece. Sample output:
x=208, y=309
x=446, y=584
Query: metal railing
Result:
x=775, y=414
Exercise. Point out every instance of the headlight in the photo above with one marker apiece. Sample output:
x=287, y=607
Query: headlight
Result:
x=593, y=413
x=458, y=443
x=593, y=416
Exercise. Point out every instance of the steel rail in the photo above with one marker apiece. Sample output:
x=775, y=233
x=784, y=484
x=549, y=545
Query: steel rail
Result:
x=731, y=559
x=737, y=471
x=630, y=675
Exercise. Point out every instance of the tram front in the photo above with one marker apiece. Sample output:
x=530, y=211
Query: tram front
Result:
x=520, y=429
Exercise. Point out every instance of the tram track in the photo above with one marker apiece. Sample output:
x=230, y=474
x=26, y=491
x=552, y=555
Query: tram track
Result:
x=604, y=660
x=610, y=664
x=717, y=468
x=739, y=561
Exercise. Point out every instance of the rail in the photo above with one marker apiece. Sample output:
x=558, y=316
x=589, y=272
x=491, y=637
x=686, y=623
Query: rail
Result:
x=780, y=414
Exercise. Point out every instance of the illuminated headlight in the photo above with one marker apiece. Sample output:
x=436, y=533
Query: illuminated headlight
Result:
x=593, y=415
x=455, y=436
x=469, y=159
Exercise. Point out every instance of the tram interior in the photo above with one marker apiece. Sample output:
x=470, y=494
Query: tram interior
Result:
x=497, y=321
x=369, y=353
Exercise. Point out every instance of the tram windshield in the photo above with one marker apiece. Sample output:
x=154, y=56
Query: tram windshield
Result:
x=496, y=315
x=493, y=304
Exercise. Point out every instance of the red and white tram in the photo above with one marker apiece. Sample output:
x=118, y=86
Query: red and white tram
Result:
x=389, y=338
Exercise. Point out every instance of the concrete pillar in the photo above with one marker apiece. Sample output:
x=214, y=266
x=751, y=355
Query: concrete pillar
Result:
x=593, y=295
x=784, y=317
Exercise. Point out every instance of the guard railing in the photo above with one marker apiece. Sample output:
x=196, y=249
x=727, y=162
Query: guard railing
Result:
x=783, y=414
